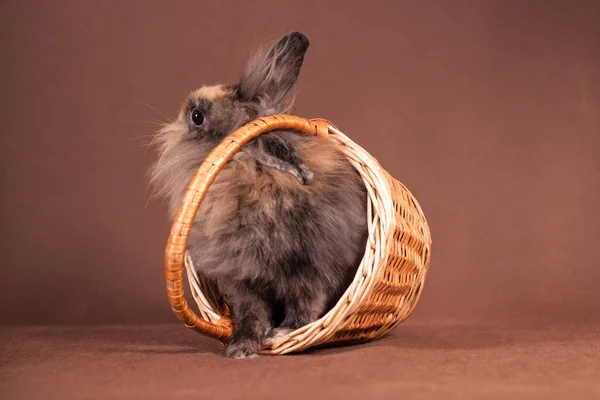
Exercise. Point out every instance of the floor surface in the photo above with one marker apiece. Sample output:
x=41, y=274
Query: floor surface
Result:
x=414, y=362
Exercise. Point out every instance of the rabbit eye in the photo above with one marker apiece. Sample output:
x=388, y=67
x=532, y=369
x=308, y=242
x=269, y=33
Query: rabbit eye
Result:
x=197, y=117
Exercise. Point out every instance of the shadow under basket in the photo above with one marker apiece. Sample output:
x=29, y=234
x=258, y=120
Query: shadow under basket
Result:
x=389, y=280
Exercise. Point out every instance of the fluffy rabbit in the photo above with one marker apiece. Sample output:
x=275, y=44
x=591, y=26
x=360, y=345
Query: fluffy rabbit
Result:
x=283, y=227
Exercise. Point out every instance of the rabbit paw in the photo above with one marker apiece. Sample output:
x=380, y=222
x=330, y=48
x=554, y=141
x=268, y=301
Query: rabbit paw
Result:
x=242, y=349
x=275, y=335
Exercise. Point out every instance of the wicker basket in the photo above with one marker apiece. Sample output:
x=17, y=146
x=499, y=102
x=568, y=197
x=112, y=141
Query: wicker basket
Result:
x=388, y=283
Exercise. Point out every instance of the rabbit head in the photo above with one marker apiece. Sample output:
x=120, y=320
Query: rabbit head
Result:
x=210, y=113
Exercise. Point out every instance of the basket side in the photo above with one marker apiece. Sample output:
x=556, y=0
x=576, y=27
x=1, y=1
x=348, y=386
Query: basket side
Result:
x=391, y=278
x=398, y=286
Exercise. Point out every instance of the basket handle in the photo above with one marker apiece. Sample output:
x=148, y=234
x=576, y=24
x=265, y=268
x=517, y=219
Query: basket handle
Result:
x=196, y=190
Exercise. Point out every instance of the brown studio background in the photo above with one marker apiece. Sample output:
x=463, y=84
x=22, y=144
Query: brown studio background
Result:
x=487, y=110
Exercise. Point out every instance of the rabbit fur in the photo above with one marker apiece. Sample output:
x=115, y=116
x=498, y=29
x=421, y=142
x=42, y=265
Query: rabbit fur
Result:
x=283, y=227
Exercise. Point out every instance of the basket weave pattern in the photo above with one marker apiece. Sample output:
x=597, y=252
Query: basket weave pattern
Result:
x=389, y=280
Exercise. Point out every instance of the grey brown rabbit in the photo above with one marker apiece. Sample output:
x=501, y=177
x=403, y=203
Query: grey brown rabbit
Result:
x=283, y=227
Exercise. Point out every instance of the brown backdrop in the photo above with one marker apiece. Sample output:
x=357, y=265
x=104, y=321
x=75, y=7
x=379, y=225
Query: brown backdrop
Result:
x=487, y=110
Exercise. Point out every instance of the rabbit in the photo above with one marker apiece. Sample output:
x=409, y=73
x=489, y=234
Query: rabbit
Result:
x=283, y=228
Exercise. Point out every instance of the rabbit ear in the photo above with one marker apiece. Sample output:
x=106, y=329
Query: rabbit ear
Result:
x=274, y=152
x=271, y=73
